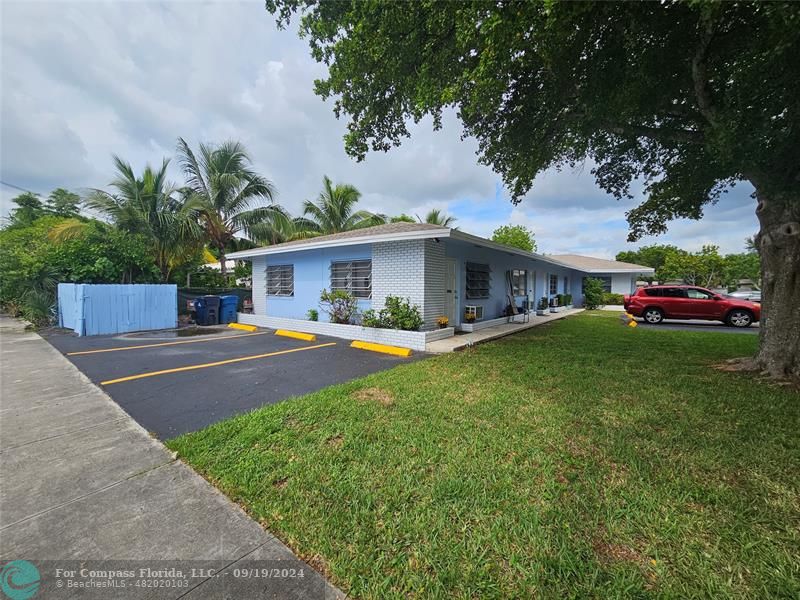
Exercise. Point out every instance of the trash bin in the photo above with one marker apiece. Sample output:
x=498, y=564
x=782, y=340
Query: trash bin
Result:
x=212, y=310
x=227, y=309
x=200, y=314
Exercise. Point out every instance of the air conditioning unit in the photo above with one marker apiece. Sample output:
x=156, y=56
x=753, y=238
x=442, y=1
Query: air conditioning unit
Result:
x=476, y=312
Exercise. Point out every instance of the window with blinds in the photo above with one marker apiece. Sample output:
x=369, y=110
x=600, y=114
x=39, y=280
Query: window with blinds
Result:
x=280, y=280
x=353, y=276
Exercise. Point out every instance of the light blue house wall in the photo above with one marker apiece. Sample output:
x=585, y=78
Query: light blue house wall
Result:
x=312, y=274
x=499, y=262
x=90, y=309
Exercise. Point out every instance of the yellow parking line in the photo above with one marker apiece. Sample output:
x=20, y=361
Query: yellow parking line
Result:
x=216, y=339
x=213, y=364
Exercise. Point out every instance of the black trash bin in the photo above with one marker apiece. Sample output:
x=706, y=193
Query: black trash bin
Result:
x=212, y=310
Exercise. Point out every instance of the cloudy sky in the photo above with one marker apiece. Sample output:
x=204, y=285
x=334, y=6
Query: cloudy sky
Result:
x=83, y=80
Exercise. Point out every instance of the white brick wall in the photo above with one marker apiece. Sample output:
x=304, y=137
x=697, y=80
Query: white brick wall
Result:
x=259, y=285
x=413, y=269
x=435, y=272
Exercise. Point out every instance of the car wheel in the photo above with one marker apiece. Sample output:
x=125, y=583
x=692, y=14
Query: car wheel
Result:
x=654, y=316
x=740, y=318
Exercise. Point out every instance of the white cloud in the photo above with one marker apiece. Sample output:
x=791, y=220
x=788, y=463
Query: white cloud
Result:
x=84, y=80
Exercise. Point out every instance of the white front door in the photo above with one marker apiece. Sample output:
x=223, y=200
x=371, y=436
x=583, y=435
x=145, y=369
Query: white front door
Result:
x=450, y=292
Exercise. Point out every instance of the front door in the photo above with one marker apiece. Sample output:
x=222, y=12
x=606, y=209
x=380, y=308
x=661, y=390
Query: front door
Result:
x=451, y=293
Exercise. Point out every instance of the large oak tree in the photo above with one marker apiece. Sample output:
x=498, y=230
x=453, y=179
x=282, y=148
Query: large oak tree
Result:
x=688, y=97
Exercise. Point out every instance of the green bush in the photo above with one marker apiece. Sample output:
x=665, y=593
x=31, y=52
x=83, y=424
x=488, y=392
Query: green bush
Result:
x=398, y=313
x=339, y=304
x=592, y=293
x=567, y=299
x=32, y=263
x=609, y=298
x=543, y=304
x=312, y=314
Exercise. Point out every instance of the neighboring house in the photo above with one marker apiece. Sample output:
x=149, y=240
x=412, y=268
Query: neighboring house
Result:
x=443, y=271
x=617, y=277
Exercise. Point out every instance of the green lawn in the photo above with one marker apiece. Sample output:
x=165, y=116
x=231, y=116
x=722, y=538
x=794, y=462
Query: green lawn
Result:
x=581, y=458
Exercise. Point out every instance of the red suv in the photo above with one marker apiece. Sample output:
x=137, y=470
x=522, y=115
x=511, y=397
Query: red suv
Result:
x=659, y=302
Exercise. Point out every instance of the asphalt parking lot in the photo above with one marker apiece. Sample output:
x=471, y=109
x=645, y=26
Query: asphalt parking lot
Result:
x=177, y=385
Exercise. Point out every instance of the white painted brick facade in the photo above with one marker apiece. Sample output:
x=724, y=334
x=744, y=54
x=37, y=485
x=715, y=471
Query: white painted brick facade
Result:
x=413, y=269
x=435, y=273
x=259, y=285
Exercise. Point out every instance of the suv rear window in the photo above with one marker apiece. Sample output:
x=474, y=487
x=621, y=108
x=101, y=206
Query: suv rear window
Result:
x=673, y=292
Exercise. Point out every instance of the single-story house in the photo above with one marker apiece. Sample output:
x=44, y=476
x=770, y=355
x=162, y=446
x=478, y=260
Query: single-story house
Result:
x=445, y=272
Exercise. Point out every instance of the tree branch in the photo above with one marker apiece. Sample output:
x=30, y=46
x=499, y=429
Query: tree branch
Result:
x=684, y=136
x=702, y=89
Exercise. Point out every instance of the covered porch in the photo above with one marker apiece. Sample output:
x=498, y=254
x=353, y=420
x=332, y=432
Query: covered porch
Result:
x=460, y=341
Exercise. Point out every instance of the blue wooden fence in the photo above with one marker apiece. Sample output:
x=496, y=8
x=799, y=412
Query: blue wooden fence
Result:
x=90, y=309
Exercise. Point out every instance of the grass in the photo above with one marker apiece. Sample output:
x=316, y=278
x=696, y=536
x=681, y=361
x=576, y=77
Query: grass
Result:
x=579, y=459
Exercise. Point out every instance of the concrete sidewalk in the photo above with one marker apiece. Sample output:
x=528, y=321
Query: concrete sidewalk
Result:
x=81, y=481
x=465, y=340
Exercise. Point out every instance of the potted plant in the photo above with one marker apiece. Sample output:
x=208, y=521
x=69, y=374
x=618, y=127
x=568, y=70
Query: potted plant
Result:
x=541, y=308
x=568, y=300
x=442, y=322
x=469, y=317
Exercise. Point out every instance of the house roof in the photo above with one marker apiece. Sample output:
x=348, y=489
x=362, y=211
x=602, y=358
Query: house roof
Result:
x=590, y=264
x=420, y=231
x=378, y=233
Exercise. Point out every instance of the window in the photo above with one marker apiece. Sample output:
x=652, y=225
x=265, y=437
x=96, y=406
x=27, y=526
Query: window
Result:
x=698, y=294
x=479, y=281
x=519, y=282
x=673, y=292
x=353, y=276
x=606, y=281
x=652, y=291
x=553, y=284
x=280, y=280
x=566, y=284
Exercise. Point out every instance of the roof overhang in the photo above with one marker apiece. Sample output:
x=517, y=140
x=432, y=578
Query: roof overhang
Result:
x=336, y=243
x=428, y=234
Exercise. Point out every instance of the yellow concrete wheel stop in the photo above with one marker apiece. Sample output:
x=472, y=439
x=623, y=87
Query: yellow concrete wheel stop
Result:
x=396, y=350
x=306, y=337
x=242, y=326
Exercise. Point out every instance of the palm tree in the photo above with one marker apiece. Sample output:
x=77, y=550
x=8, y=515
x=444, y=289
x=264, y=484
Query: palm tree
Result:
x=149, y=205
x=226, y=191
x=437, y=217
x=333, y=211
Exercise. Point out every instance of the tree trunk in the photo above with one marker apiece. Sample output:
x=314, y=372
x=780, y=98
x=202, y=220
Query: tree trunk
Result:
x=778, y=242
x=222, y=268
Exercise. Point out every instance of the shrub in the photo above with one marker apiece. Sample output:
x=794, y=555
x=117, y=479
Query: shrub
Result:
x=339, y=304
x=592, y=293
x=398, y=313
x=312, y=314
x=543, y=303
x=609, y=298
x=567, y=299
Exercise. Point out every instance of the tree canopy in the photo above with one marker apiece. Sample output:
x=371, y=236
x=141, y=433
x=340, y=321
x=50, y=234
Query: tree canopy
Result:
x=669, y=93
x=684, y=97
x=517, y=236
